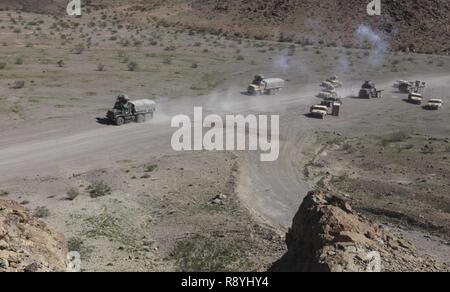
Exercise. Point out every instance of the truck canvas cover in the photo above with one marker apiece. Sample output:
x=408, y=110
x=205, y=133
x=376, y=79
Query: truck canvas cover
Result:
x=143, y=105
x=274, y=83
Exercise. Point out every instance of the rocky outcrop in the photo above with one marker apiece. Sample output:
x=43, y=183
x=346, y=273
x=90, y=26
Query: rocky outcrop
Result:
x=26, y=244
x=328, y=236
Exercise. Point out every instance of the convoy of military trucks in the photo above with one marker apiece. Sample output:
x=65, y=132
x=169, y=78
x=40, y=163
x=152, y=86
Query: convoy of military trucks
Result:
x=140, y=111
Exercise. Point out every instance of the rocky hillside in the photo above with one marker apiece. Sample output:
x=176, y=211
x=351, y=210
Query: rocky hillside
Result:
x=419, y=26
x=328, y=236
x=26, y=244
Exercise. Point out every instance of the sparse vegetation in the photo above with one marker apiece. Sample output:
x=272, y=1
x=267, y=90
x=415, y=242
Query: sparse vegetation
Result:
x=99, y=189
x=396, y=137
x=204, y=254
x=151, y=168
x=132, y=66
x=72, y=194
x=79, y=49
x=18, y=61
x=41, y=212
x=100, y=67
x=349, y=148
x=18, y=84
x=3, y=193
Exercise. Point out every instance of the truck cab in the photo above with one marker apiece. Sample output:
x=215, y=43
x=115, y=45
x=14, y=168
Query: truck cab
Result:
x=319, y=111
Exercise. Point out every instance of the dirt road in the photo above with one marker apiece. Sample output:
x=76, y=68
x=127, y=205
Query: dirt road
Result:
x=273, y=190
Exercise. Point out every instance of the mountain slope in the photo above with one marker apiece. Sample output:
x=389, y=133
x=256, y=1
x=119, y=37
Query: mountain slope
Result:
x=418, y=25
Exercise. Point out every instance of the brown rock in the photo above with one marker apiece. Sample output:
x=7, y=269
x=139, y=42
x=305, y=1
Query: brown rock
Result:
x=27, y=244
x=327, y=235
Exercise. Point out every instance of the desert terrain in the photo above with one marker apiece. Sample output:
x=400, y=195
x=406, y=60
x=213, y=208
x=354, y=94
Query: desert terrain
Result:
x=127, y=202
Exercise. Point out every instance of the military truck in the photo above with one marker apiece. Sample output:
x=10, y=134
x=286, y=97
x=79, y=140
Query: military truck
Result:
x=334, y=80
x=434, y=104
x=126, y=111
x=411, y=87
x=415, y=98
x=318, y=111
x=261, y=85
x=369, y=90
x=328, y=94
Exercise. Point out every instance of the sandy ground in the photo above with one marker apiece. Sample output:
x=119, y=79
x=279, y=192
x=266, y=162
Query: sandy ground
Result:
x=50, y=135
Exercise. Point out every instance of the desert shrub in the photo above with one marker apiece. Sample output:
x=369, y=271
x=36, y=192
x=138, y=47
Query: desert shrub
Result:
x=18, y=61
x=349, y=148
x=151, y=168
x=99, y=189
x=396, y=137
x=3, y=193
x=2, y=65
x=194, y=66
x=41, y=212
x=132, y=66
x=100, y=67
x=240, y=58
x=18, y=84
x=72, y=194
x=170, y=48
x=75, y=244
x=167, y=61
x=79, y=49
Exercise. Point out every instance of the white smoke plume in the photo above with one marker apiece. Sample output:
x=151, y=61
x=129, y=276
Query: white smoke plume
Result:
x=282, y=64
x=365, y=33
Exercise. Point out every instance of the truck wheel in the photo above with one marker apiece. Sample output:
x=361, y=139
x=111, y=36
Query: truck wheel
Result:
x=140, y=119
x=149, y=116
x=120, y=121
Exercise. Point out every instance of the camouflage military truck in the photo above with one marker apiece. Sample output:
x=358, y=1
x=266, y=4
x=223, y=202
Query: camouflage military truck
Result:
x=368, y=90
x=415, y=98
x=261, y=85
x=434, y=104
x=328, y=94
x=334, y=80
x=410, y=87
x=126, y=111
